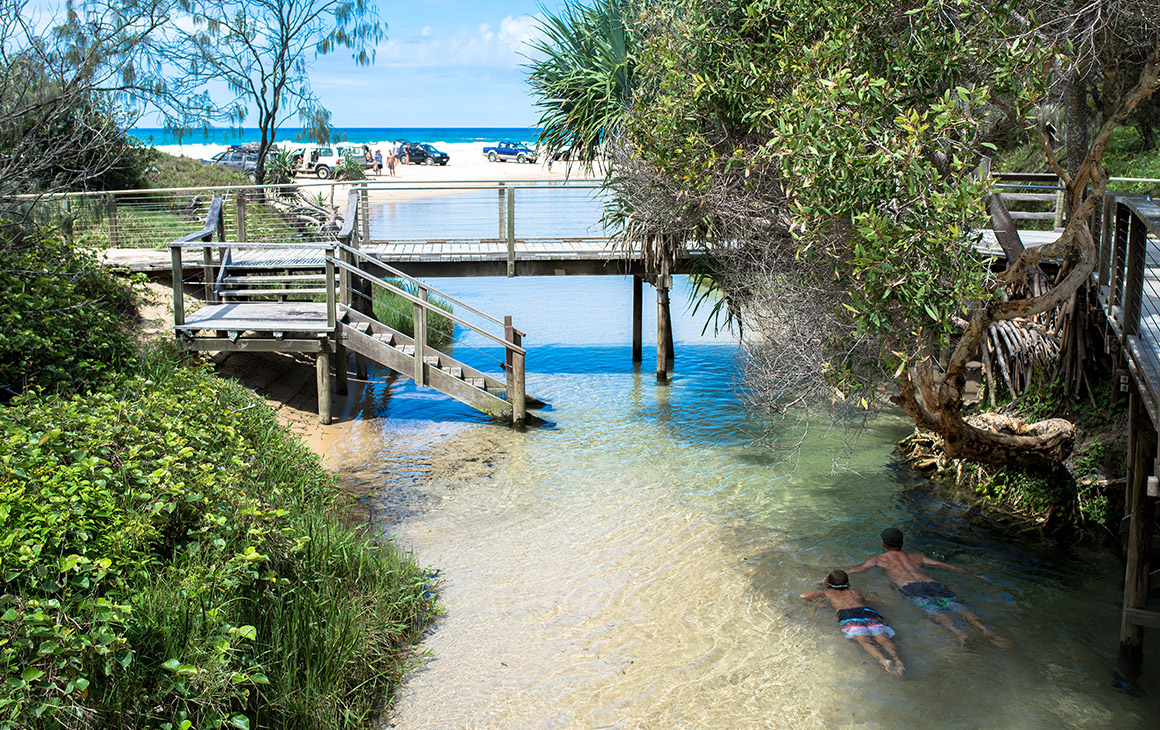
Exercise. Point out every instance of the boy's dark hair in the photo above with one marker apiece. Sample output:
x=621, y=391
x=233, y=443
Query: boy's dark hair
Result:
x=892, y=537
x=838, y=579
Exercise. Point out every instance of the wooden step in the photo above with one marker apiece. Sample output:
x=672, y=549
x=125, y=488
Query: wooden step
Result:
x=268, y=292
x=432, y=360
x=455, y=372
x=363, y=327
x=260, y=279
x=384, y=337
x=477, y=382
x=407, y=349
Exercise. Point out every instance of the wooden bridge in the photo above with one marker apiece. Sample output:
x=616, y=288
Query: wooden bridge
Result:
x=257, y=300
x=1128, y=283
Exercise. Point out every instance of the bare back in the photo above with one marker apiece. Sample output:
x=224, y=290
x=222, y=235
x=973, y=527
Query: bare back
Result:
x=903, y=568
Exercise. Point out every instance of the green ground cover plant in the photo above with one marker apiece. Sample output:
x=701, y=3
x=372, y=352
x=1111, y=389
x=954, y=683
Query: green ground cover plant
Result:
x=171, y=558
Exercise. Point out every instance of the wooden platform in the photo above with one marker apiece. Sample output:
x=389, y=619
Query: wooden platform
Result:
x=262, y=317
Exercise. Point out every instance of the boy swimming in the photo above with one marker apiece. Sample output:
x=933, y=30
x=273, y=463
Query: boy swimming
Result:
x=860, y=622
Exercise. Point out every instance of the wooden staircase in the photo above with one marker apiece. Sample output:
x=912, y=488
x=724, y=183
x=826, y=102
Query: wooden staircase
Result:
x=393, y=349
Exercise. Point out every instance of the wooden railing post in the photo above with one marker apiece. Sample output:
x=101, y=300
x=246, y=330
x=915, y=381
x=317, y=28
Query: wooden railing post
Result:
x=1134, y=276
x=114, y=237
x=331, y=301
x=178, y=288
x=365, y=213
x=637, y=318
x=502, y=204
x=241, y=223
x=511, y=232
x=207, y=271
x=514, y=369
x=420, y=334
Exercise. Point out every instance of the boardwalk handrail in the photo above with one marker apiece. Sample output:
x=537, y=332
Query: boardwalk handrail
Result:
x=340, y=264
x=407, y=277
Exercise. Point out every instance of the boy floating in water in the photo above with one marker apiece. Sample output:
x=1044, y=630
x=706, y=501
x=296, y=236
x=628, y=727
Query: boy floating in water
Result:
x=859, y=622
x=906, y=570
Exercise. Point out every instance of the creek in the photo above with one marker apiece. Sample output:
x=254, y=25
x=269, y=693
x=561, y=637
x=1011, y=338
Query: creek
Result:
x=637, y=562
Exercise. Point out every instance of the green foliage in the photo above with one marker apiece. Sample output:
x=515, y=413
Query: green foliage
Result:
x=175, y=171
x=59, y=314
x=170, y=555
x=583, y=75
x=280, y=167
x=398, y=313
x=351, y=168
x=855, y=134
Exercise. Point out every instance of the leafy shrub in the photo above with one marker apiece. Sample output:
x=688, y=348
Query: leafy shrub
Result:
x=171, y=558
x=59, y=320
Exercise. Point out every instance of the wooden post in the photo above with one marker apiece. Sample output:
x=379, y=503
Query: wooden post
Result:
x=208, y=273
x=420, y=335
x=178, y=285
x=514, y=370
x=112, y=213
x=511, y=232
x=502, y=204
x=637, y=318
x=241, y=222
x=664, y=327
x=516, y=388
x=322, y=368
x=331, y=303
x=340, y=360
x=365, y=213
x=1141, y=456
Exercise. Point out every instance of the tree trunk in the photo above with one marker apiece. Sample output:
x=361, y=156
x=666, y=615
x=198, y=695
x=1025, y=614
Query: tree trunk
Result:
x=1076, y=123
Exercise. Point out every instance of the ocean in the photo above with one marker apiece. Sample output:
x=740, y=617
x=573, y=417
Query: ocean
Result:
x=204, y=145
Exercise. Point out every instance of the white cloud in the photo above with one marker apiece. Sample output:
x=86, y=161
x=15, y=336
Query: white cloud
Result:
x=482, y=47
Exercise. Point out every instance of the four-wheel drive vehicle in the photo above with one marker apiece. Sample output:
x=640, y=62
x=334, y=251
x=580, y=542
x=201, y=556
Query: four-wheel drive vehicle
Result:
x=420, y=153
x=234, y=159
x=322, y=161
x=505, y=151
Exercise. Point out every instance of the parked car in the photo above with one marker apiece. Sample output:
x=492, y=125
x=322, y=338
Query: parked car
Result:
x=420, y=153
x=505, y=151
x=235, y=159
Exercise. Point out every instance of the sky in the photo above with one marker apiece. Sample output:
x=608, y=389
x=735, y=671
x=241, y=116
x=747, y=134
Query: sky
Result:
x=443, y=63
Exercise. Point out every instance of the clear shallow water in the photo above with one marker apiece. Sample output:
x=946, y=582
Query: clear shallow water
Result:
x=637, y=563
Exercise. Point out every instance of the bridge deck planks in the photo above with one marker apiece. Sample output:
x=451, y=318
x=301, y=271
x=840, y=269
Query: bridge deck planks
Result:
x=258, y=317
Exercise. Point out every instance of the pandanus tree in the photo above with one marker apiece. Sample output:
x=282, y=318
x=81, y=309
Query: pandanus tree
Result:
x=827, y=153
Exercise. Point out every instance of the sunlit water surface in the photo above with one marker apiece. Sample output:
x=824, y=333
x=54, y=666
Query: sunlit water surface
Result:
x=637, y=563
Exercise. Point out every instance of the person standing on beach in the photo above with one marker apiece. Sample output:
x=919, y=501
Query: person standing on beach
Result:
x=860, y=622
x=378, y=162
x=906, y=571
x=391, y=161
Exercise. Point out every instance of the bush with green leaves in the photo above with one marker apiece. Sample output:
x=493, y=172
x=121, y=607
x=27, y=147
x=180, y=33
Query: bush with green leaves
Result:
x=60, y=314
x=172, y=558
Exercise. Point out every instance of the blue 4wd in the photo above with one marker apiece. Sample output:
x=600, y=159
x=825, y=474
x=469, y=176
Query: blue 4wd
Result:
x=505, y=151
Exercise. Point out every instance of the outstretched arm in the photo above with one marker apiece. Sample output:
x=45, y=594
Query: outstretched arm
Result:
x=871, y=563
x=939, y=564
x=813, y=594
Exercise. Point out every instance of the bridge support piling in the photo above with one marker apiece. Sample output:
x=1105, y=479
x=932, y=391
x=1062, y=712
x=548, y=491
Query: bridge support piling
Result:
x=1141, y=508
x=340, y=361
x=637, y=318
x=664, y=326
x=322, y=367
